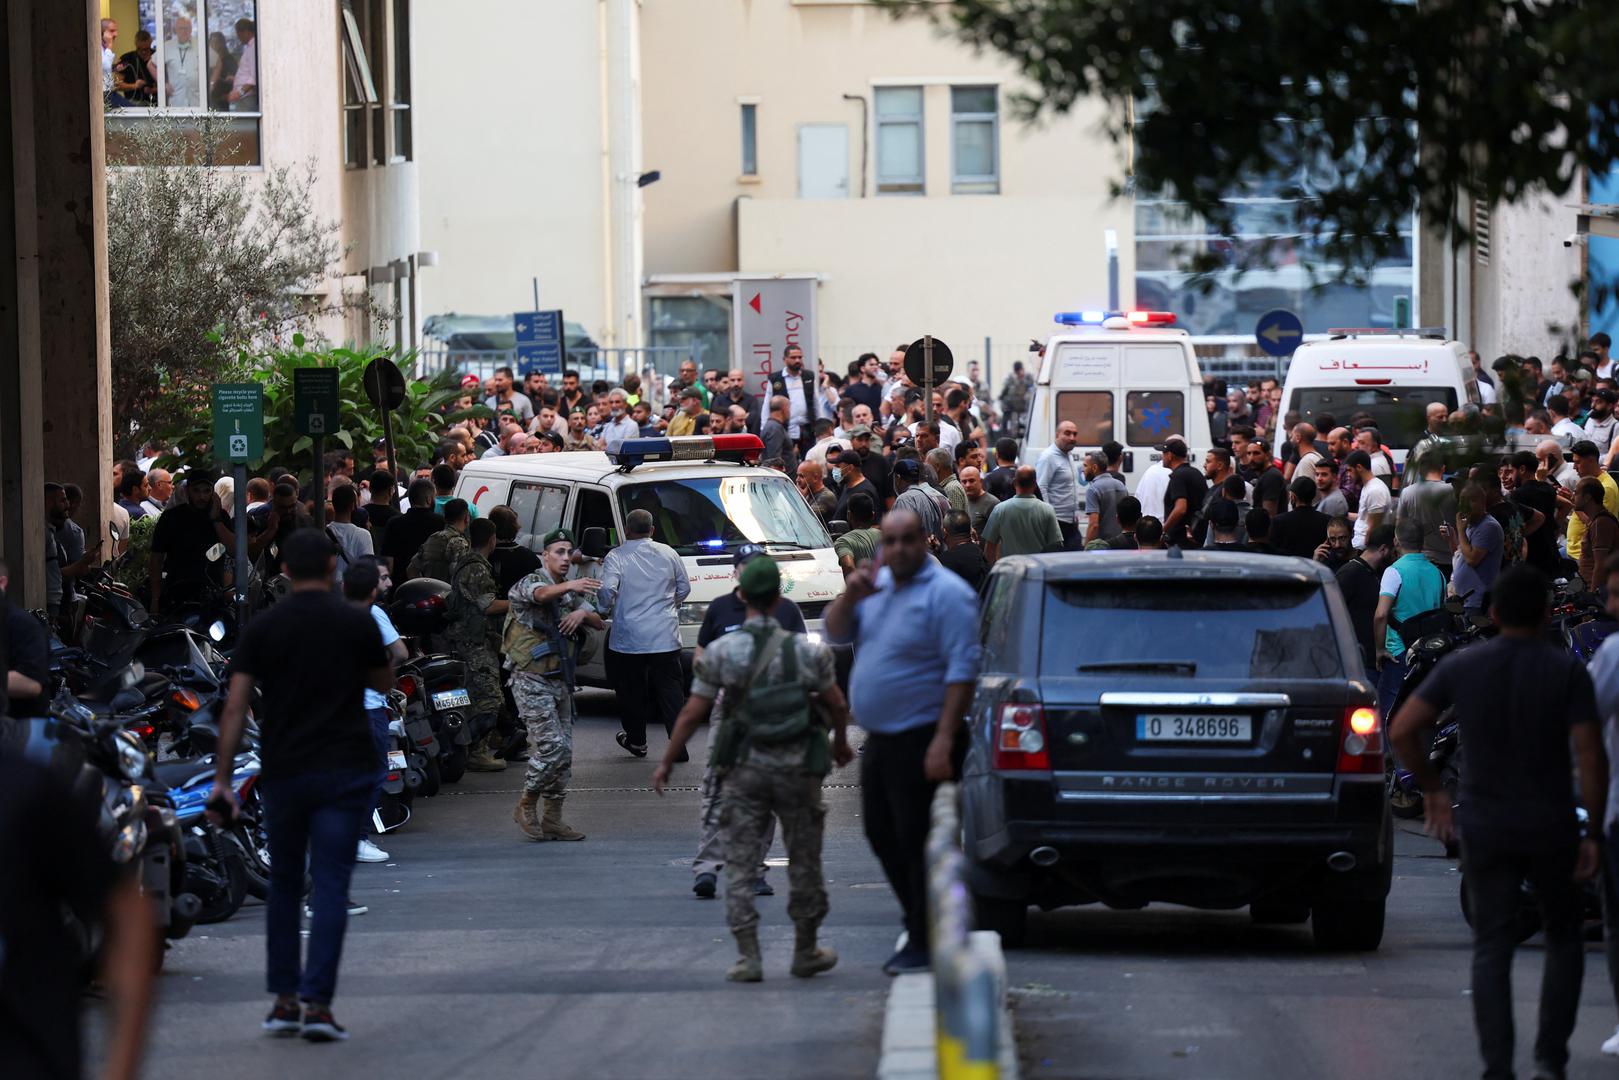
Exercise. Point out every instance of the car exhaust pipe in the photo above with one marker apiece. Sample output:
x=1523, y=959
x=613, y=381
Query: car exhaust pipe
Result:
x=1044, y=856
x=1341, y=861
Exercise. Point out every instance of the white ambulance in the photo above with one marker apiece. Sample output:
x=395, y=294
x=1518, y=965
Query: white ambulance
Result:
x=1126, y=376
x=1392, y=375
x=707, y=497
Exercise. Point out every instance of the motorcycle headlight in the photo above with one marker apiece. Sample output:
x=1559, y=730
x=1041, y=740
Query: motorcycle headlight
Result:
x=1432, y=643
x=131, y=755
x=693, y=614
x=129, y=841
x=216, y=630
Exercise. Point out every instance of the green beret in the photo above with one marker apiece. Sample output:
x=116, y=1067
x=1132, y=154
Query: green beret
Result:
x=761, y=579
x=557, y=534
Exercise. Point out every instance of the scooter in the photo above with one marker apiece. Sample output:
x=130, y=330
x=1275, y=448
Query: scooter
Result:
x=434, y=685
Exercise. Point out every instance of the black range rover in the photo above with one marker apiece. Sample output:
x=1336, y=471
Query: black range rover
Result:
x=1195, y=729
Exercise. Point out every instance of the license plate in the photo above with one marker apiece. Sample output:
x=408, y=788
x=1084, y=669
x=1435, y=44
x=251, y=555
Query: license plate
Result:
x=452, y=699
x=396, y=759
x=1191, y=727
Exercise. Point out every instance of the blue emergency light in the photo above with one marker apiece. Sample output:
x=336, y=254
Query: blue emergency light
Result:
x=739, y=448
x=1098, y=318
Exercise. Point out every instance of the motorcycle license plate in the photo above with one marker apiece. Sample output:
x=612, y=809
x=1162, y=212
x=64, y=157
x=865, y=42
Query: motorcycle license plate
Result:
x=1185, y=727
x=452, y=699
x=396, y=759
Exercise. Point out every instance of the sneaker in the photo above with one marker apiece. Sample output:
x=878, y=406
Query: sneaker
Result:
x=639, y=750
x=320, y=1027
x=353, y=909
x=908, y=961
x=283, y=1020
x=369, y=852
x=705, y=886
x=1544, y=1071
x=1611, y=1047
x=761, y=887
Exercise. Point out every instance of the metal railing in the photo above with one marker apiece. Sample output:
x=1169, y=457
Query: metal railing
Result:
x=609, y=364
x=968, y=989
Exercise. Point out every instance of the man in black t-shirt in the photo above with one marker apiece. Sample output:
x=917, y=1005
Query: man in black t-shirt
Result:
x=725, y=614
x=960, y=553
x=1270, y=486
x=511, y=561
x=998, y=481
x=180, y=543
x=1521, y=701
x=312, y=656
x=1360, y=580
x=1537, y=495
x=407, y=532
x=1302, y=529
x=848, y=474
x=25, y=657
x=1183, y=498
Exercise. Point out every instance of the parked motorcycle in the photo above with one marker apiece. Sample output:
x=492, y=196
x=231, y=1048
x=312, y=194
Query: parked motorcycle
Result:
x=433, y=685
x=1424, y=654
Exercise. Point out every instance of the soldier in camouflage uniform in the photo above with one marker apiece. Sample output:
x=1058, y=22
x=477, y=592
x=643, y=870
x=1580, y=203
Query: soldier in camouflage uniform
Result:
x=780, y=779
x=547, y=609
x=439, y=553
x=472, y=601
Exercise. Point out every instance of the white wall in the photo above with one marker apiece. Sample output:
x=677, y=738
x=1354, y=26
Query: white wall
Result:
x=509, y=146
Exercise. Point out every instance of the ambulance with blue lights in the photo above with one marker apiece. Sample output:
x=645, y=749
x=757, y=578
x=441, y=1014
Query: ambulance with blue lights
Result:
x=1129, y=376
x=707, y=495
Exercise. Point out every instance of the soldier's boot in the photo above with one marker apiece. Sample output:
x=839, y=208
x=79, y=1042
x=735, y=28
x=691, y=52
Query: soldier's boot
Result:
x=527, y=817
x=482, y=760
x=553, y=827
x=749, y=966
x=808, y=959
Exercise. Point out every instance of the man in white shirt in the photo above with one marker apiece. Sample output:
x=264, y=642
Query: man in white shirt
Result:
x=1154, y=485
x=798, y=387
x=1554, y=468
x=244, y=93
x=1563, y=426
x=180, y=65
x=622, y=426
x=1376, y=504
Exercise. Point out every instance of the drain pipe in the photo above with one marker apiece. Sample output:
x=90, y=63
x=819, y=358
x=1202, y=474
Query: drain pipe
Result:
x=865, y=145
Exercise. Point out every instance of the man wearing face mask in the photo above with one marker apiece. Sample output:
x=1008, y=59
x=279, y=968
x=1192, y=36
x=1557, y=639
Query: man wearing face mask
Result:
x=621, y=425
x=873, y=466
x=796, y=383
x=848, y=476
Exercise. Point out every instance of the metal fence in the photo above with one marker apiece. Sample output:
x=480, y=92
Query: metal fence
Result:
x=968, y=988
x=610, y=364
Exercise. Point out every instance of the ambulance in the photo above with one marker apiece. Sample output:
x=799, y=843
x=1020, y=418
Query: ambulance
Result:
x=1129, y=376
x=707, y=496
x=1392, y=375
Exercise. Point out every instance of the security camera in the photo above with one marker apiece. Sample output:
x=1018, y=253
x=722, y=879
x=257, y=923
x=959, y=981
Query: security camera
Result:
x=1573, y=238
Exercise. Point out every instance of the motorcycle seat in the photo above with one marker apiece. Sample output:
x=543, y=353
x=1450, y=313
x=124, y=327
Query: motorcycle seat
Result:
x=173, y=774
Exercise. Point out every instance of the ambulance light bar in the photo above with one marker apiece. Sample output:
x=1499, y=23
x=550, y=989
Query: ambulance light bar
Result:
x=738, y=448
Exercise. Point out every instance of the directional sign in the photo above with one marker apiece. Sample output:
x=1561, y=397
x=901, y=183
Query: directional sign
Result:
x=1279, y=332
x=315, y=400
x=238, y=422
x=539, y=341
x=916, y=361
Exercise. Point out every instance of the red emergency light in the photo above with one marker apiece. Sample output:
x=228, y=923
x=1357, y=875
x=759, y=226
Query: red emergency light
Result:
x=1152, y=318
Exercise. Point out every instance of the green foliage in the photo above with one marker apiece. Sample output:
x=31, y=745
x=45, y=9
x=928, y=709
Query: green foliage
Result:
x=134, y=565
x=1363, y=108
x=417, y=423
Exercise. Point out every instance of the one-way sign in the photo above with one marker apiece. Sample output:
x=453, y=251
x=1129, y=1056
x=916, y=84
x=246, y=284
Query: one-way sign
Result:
x=539, y=341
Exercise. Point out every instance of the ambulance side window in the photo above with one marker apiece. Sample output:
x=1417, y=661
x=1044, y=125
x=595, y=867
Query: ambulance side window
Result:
x=1151, y=416
x=1091, y=411
x=539, y=509
x=594, y=510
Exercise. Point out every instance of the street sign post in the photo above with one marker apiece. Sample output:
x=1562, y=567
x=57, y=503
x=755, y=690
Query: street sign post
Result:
x=239, y=438
x=928, y=362
x=1279, y=332
x=314, y=413
x=539, y=342
x=384, y=385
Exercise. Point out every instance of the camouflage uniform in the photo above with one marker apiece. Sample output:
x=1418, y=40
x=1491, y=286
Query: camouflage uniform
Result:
x=438, y=555
x=771, y=782
x=473, y=583
x=544, y=702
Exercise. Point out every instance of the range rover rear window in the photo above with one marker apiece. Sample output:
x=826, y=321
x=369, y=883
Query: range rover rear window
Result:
x=1237, y=629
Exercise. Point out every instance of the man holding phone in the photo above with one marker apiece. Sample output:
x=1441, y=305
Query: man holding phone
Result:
x=312, y=656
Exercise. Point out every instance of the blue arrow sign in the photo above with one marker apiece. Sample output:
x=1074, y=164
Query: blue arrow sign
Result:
x=1279, y=332
x=539, y=341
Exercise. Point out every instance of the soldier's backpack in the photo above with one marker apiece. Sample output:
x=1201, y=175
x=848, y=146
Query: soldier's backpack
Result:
x=771, y=714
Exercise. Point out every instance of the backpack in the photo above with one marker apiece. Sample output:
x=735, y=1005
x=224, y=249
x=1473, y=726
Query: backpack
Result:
x=771, y=714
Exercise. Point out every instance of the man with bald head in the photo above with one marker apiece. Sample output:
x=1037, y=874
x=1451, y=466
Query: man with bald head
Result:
x=1023, y=525
x=1304, y=436
x=1554, y=468
x=980, y=503
x=733, y=391
x=159, y=488
x=914, y=625
x=1339, y=445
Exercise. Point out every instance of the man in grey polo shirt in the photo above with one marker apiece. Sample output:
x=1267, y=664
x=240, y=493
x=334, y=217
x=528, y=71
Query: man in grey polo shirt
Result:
x=1054, y=471
x=1103, y=490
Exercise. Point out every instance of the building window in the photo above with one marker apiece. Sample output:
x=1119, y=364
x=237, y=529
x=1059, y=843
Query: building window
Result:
x=186, y=60
x=975, y=136
x=899, y=140
x=750, y=139
x=359, y=93
x=376, y=90
x=399, y=99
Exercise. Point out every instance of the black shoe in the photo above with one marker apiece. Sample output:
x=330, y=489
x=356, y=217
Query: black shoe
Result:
x=320, y=1027
x=283, y=1020
x=624, y=741
x=761, y=887
x=907, y=961
x=704, y=886
x=684, y=756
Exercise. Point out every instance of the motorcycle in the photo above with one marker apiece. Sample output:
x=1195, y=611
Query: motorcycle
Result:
x=433, y=685
x=1579, y=619
x=216, y=863
x=1444, y=753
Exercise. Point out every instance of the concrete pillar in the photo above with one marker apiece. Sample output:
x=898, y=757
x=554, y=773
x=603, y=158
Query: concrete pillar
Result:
x=70, y=179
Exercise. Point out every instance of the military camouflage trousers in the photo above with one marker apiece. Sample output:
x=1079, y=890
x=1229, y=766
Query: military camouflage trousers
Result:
x=483, y=686
x=545, y=708
x=749, y=797
x=710, y=855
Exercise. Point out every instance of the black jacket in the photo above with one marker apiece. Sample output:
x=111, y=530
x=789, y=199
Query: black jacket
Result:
x=778, y=387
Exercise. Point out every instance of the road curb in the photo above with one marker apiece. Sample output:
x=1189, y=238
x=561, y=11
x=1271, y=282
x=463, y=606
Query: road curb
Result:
x=910, y=1037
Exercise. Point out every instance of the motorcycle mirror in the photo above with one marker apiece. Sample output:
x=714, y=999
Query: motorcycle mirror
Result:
x=837, y=528
x=112, y=529
x=216, y=553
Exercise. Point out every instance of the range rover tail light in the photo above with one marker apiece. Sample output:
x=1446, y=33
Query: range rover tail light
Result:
x=1362, y=750
x=1020, y=737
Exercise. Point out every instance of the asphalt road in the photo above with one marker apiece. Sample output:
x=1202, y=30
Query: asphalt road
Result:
x=1174, y=994
x=485, y=954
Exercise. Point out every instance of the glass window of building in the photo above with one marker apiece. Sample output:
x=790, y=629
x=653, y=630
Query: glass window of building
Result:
x=899, y=140
x=750, y=139
x=975, y=136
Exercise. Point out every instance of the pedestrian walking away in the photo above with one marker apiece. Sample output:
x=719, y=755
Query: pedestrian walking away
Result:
x=771, y=751
x=1521, y=701
x=366, y=580
x=643, y=584
x=724, y=615
x=319, y=771
x=914, y=627
x=550, y=609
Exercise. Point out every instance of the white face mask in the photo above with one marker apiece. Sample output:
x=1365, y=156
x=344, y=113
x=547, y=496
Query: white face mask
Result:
x=837, y=475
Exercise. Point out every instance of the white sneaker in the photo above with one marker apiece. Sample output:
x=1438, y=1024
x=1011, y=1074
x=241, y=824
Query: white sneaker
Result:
x=1611, y=1047
x=369, y=852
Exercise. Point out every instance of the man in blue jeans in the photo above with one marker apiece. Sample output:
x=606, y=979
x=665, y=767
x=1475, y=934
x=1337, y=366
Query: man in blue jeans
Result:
x=312, y=656
x=1410, y=586
x=365, y=581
